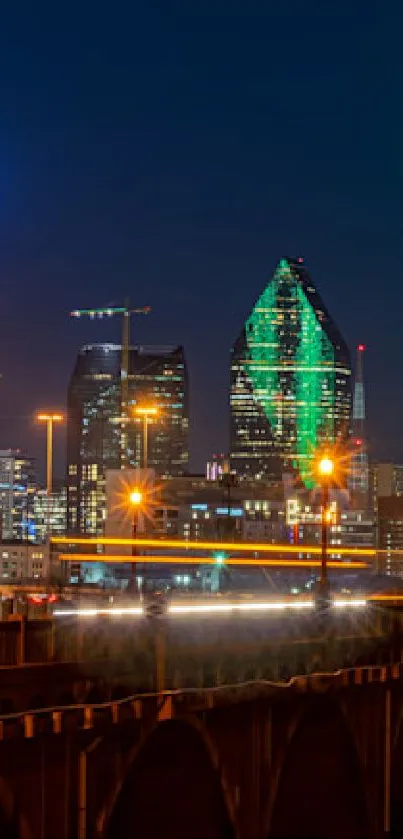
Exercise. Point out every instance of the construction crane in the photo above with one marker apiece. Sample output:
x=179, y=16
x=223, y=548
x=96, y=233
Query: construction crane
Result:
x=125, y=312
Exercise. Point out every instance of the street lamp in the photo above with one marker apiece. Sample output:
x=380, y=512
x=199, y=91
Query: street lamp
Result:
x=49, y=419
x=135, y=500
x=326, y=468
x=146, y=413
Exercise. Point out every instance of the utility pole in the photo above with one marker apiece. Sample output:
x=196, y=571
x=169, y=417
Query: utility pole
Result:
x=125, y=312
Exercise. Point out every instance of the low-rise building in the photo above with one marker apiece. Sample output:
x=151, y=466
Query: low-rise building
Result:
x=390, y=534
x=21, y=561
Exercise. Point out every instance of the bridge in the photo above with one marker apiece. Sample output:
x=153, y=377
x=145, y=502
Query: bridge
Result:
x=97, y=655
x=320, y=756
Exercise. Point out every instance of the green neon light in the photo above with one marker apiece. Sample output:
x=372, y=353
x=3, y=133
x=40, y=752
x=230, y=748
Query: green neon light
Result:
x=314, y=387
x=291, y=365
x=261, y=337
x=119, y=310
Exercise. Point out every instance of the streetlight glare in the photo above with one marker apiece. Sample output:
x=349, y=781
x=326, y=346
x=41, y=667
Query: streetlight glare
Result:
x=135, y=497
x=326, y=466
x=52, y=417
x=147, y=411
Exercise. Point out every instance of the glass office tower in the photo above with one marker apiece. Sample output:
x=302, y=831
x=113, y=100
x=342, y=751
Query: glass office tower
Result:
x=157, y=376
x=290, y=380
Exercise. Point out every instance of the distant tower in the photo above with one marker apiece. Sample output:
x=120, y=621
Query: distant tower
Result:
x=359, y=472
x=290, y=388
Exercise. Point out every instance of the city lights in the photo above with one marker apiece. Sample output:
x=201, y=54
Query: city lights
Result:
x=211, y=560
x=135, y=497
x=292, y=355
x=326, y=467
x=218, y=607
x=207, y=545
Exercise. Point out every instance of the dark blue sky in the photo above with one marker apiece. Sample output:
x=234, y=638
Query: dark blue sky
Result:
x=173, y=151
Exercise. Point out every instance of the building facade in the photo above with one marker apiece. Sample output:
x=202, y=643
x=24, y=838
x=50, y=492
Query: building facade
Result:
x=387, y=480
x=23, y=561
x=390, y=534
x=290, y=380
x=49, y=514
x=157, y=376
x=358, y=482
x=17, y=488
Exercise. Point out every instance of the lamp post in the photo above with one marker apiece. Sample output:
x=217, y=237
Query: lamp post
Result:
x=145, y=413
x=135, y=500
x=325, y=472
x=49, y=419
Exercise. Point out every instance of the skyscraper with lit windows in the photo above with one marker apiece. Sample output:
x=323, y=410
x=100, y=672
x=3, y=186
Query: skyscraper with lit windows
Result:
x=290, y=380
x=157, y=376
x=359, y=466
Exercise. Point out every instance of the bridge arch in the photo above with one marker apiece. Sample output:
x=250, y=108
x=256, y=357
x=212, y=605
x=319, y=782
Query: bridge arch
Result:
x=13, y=824
x=171, y=788
x=321, y=774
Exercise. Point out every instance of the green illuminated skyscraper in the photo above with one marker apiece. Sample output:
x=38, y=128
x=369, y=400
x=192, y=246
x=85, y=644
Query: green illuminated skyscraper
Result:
x=290, y=379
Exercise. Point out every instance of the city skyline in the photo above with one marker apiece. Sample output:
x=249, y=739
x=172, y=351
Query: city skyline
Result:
x=129, y=168
x=60, y=443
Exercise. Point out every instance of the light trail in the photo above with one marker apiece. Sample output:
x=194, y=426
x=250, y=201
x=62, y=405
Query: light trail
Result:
x=209, y=608
x=235, y=547
x=212, y=608
x=342, y=604
x=92, y=613
x=210, y=560
x=385, y=597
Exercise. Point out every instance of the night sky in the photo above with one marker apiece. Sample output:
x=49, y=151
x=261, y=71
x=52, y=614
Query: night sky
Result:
x=173, y=152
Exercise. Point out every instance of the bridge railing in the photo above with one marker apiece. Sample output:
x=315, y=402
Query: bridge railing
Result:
x=168, y=704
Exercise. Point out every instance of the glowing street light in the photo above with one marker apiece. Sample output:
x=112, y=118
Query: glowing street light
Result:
x=146, y=413
x=49, y=419
x=326, y=469
x=135, y=497
x=135, y=500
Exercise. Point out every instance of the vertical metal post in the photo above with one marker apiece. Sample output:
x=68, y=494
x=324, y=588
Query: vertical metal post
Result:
x=82, y=795
x=386, y=799
x=21, y=652
x=82, y=787
x=67, y=789
x=229, y=504
x=124, y=383
x=49, y=456
x=51, y=639
x=323, y=569
x=43, y=791
x=145, y=441
x=134, y=547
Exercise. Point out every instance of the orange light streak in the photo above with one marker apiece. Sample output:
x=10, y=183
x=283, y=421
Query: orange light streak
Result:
x=201, y=560
x=236, y=547
x=385, y=597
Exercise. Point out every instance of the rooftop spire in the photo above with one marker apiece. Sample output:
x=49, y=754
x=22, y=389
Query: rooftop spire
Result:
x=359, y=461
